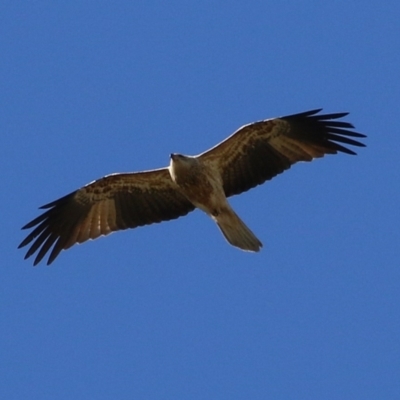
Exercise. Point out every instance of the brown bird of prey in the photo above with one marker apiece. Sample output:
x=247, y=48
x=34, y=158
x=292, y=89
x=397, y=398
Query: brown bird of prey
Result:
x=253, y=154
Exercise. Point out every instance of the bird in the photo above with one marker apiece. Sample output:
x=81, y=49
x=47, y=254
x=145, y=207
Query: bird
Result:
x=253, y=154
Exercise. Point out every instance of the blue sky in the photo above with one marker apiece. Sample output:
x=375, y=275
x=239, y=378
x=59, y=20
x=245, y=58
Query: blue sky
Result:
x=171, y=311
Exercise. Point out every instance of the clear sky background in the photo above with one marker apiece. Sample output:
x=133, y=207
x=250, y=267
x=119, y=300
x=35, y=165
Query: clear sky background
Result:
x=171, y=311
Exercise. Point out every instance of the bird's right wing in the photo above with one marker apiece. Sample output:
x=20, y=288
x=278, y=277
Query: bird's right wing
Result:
x=112, y=203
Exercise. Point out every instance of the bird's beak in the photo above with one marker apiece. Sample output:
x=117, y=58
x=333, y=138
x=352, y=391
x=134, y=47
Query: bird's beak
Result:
x=172, y=156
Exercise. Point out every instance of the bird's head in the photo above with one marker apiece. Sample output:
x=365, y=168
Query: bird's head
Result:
x=175, y=156
x=181, y=159
x=181, y=164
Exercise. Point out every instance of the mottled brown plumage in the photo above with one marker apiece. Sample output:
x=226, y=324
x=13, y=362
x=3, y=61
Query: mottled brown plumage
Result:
x=114, y=202
x=253, y=154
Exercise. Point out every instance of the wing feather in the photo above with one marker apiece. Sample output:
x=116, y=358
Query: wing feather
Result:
x=259, y=151
x=112, y=203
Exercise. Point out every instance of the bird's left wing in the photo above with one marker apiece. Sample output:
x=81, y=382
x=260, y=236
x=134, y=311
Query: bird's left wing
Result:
x=112, y=203
x=259, y=151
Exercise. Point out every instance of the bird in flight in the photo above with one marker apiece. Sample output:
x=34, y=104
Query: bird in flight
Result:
x=252, y=155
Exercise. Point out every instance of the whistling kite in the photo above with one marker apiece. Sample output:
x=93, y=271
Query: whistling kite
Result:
x=253, y=154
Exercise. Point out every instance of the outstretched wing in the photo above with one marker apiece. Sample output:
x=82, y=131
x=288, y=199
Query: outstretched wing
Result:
x=261, y=150
x=112, y=203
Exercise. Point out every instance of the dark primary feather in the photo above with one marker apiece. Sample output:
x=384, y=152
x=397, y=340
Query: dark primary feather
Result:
x=320, y=130
x=115, y=202
x=261, y=150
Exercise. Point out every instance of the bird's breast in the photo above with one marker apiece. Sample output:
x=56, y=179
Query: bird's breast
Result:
x=202, y=191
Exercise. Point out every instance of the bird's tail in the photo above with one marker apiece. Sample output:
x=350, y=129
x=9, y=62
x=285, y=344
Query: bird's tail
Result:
x=236, y=232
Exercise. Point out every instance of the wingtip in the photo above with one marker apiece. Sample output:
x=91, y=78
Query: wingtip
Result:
x=27, y=226
x=38, y=258
x=304, y=113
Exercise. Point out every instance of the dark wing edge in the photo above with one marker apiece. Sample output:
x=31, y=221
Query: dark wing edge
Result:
x=115, y=202
x=320, y=130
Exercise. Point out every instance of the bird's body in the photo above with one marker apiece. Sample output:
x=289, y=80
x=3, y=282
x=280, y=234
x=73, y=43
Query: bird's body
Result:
x=202, y=185
x=197, y=182
x=255, y=153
